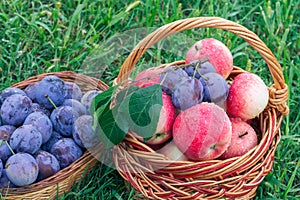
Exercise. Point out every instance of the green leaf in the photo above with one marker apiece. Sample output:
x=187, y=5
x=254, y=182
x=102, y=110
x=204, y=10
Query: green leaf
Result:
x=126, y=92
x=110, y=127
x=135, y=108
x=142, y=108
x=102, y=99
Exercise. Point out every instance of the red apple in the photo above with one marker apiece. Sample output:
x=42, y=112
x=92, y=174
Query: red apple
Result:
x=215, y=51
x=202, y=132
x=165, y=121
x=243, y=139
x=248, y=96
x=148, y=77
x=172, y=152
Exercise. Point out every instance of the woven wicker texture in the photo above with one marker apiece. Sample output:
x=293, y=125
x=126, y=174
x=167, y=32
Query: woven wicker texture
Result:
x=156, y=177
x=63, y=180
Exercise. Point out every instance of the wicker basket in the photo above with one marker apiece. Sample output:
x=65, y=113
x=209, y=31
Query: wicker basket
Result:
x=62, y=181
x=157, y=177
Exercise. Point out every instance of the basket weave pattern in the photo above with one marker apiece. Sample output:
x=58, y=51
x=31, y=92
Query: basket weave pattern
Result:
x=62, y=181
x=157, y=177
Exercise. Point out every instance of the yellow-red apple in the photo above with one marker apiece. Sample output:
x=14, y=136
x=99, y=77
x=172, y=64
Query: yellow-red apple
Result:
x=248, y=96
x=215, y=51
x=202, y=132
x=243, y=139
x=148, y=77
x=165, y=122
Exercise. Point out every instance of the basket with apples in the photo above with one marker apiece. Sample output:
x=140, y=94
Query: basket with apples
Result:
x=45, y=134
x=196, y=128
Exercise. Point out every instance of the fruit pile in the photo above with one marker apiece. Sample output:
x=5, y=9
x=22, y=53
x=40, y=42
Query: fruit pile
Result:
x=43, y=129
x=205, y=115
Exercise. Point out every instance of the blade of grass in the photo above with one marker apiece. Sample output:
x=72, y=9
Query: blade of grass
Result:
x=290, y=183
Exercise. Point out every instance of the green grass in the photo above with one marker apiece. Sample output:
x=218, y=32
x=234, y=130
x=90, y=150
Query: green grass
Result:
x=41, y=36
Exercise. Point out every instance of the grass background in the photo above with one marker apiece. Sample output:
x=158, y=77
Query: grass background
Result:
x=40, y=36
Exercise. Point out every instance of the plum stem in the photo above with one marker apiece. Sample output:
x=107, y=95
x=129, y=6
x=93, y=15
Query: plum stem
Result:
x=196, y=69
x=204, y=77
x=9, y=147
x=197, y=66
x=46, y=95
x=199, y=62
x=243, y=134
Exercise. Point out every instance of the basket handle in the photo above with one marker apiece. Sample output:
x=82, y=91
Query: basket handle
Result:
x=278, y=91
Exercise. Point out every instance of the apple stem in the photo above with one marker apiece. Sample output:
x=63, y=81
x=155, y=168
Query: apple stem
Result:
x=46, y=95
x=243, y=134
x=213, y=147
